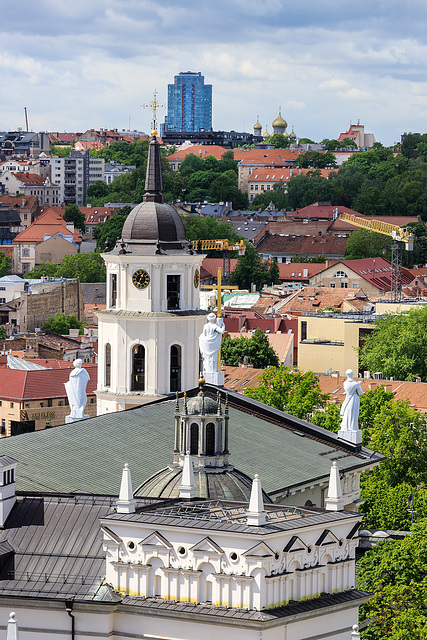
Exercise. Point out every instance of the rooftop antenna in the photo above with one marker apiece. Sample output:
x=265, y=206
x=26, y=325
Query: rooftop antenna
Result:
x=154, y=104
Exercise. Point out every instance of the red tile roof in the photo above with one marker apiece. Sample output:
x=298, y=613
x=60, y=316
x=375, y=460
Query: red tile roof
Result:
x=19, y=385
x=20, y=202
x=322, y=211
x=294, y=271
x=303, y=245
x=31, y=179
x=49, y=223
x=284, y=174
x=376, y=271
x=210, y=266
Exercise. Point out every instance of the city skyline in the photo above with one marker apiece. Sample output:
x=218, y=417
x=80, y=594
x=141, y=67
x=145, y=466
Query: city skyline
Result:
x=92, y=65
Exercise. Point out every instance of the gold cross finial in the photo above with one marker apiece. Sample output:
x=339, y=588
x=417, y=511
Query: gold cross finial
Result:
x=154, y=104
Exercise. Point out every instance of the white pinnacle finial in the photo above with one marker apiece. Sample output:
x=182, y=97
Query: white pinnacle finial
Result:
x=126, y=502
x=12, y=627
x=334, y=501
x=355, y=635
x=187, y=490
x=256, y=514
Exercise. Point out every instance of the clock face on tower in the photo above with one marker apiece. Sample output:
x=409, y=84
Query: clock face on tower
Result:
x=141, y=279
x=196, y=279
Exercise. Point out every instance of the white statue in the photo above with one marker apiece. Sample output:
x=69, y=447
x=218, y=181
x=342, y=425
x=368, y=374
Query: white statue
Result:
x=210, y=343
x=351, y=405
x=76, y=392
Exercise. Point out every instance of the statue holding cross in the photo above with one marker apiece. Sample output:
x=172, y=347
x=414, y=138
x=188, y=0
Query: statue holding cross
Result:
x=210, y=339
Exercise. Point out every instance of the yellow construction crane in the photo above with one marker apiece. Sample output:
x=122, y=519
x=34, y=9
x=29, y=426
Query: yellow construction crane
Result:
x=399, y=236
x=220, y=245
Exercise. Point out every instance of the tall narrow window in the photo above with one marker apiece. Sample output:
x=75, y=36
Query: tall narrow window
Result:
x=194, y=439
x=113, y=292
x=210, y=439
x=108, y=365
x=175, y=368
x=303, y=330
x=173, y=290
x=138, y=368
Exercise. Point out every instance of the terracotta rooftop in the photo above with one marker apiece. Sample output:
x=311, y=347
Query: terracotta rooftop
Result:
x=48, y=223
x=325, y=211
x=376, y=271
x=311, y=299
x=294, y=271
x=210, y=267
x=16, y=385
x=31, y=179
x=303, y=245
x=284, y=174
x=20, y=202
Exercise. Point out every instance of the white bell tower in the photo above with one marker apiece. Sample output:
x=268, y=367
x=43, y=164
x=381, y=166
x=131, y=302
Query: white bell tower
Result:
x=148, y=333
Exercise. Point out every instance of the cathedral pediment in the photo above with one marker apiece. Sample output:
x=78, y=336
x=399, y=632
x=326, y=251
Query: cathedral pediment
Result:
x=260, y=550
x=295, y=544
x=110, y=535
x=207, y=545
x=156, y=540
x=327, y=537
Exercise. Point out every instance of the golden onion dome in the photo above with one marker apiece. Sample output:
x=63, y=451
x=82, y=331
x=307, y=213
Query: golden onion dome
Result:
x=257, y=125
x=266, y=135
x=293, y=135
x=280, y=122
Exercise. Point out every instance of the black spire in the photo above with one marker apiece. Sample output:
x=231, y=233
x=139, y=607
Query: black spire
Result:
x=153, y=177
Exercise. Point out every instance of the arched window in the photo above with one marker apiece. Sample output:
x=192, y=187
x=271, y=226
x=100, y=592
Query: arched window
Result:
x=107, y=364
x=138, y=368
x=175, y=368
x=340, y=274
x=194, y=439
x=210, y=439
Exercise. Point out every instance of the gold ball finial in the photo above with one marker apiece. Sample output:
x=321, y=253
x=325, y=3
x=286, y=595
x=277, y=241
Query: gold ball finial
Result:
x=201, y=381
x=154, y=133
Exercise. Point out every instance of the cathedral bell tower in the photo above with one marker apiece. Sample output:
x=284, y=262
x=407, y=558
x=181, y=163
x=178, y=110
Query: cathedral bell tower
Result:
x=148, y=332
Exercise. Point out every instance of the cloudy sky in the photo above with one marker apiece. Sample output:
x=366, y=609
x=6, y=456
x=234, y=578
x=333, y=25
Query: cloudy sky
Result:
x=80, y=64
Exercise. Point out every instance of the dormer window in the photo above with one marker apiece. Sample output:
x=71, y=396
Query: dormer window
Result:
x=340, y=274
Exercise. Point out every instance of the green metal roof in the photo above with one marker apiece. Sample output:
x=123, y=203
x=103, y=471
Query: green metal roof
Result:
x=89, y=455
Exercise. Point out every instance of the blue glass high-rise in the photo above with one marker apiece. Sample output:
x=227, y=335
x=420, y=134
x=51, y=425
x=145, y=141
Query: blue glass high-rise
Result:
x=189, y=103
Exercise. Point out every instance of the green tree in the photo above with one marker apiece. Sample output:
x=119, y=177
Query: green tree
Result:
x=208, y=228
x=306, y=141
x=274, y=272
x=191, y=164
x=277, y=196
x=278, y=141
x=3, y=334
x=304, y=190
x=250, y=269
x=366, y=244
x=395, y=573
x=347, y=143
x=330, y=145
x=316, y=159
x=89, y=267
x=5, y=264
x=296, y=393
x=60, y=323
x=257, y=349
x=73, y=214
x=107, y=233
x=397, y=347
x=98, y=189
x=43, y=269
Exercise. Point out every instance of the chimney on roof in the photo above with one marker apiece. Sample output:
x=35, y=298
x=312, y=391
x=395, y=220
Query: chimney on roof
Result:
x=70, y=227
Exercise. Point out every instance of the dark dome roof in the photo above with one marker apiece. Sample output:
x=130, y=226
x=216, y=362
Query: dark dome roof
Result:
x=155, y=221
x=228, y=484
x=194, y=405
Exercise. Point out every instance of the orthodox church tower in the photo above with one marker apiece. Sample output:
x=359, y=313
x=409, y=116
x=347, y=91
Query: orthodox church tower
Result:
x=148, y=333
